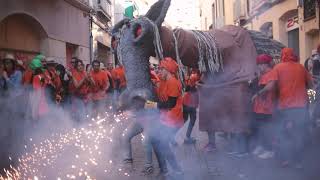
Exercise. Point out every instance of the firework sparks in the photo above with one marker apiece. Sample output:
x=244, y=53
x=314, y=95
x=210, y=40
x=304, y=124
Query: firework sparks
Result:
x=312, y=95
x=41, y=160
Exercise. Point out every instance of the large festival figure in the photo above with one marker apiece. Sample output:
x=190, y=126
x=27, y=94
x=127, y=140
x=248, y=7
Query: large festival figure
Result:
x=226, y=58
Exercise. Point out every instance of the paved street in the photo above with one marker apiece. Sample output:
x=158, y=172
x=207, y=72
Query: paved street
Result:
x=86, y=151
x=79, y=155
x=198, y=165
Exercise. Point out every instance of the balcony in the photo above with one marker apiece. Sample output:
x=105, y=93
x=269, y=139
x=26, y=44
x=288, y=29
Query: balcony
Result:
x=81, y=4
x=104, y=9
x=309, y=9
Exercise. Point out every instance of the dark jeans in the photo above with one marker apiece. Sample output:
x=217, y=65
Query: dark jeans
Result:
x=293, y=134
x=263, y=131
x=97, y=107
x=239, y=142
x=192, y=113
x=161, y=143
x=157, y=136
x=132, y=130
x=80, y=110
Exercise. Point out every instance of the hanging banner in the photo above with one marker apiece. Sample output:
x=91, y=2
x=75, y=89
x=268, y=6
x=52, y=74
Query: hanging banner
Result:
x=129, y=8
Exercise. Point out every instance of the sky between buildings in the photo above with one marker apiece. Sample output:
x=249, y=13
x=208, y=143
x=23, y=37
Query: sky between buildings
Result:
x=182, y=13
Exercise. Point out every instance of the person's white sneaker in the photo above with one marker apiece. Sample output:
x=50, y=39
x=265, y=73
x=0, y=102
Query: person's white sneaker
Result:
x=266, y=155
x=257, y=150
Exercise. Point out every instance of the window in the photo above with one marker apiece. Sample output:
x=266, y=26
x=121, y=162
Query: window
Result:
x=309, y=8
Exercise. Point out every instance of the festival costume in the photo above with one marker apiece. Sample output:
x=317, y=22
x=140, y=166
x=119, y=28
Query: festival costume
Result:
x=39, y=86
x=263, y=108
x=292, y=81
x=98, y=93
x=27, y=77
x=80, y=95
x=171, y=119
x=190, y=104
x=119, y=78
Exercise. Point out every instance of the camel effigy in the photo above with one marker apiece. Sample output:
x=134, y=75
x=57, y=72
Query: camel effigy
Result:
x=225, y=56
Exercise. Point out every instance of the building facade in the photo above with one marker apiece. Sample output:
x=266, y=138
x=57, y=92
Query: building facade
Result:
x=216, y=13
x=295, y=23
x=100, y=38
x=56, y=28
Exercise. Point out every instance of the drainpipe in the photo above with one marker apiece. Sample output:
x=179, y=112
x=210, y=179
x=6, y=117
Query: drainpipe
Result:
x=91, y=38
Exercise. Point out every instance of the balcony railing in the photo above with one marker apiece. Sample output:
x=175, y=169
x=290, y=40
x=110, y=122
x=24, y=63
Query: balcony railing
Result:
x=81, y=4
x=309, y=11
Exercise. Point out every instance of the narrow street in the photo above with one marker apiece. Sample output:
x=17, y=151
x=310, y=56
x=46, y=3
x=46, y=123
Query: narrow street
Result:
x=219, y=165
x=93, y=156
x=80, y=78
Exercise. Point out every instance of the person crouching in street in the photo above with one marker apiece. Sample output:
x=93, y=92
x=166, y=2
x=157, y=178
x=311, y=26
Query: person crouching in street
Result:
x=263, y=108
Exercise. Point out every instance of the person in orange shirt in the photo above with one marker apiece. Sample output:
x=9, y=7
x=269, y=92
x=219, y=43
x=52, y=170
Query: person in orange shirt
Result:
x=263, y=108
x=111, y=85
x=54, y=87
x=27, y=77
x=292, y=82
x=190, y=104
x=120, y=78
x=169, y=93
x=109, y=90
x=80, y=83
x=40, y=108
x=99, y=84
x=69, y=73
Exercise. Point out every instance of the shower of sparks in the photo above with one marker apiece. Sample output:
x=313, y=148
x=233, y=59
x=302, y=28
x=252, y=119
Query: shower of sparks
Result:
x=312, y=95
x=41, y=160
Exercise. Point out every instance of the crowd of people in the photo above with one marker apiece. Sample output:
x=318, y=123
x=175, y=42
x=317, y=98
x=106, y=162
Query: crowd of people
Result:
x=280, y=104
x=51, y=84
x=281, y=120
x=37, y=91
